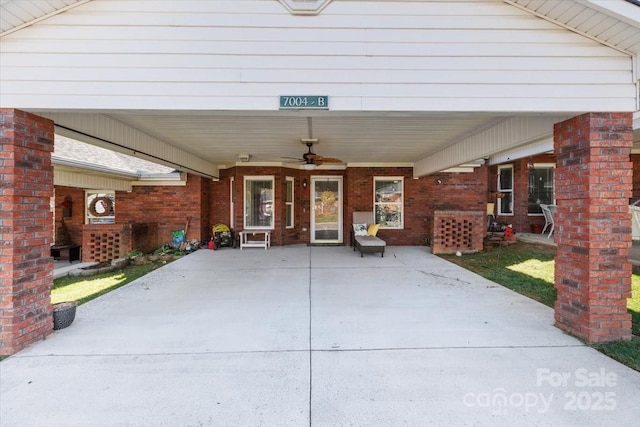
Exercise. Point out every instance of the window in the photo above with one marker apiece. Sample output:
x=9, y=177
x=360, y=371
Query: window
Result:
x=388, y=202
x=258, y=202
x=541, y=187
x=101, y=207
x=232, y=206
x=288, y=201
x=505, y=190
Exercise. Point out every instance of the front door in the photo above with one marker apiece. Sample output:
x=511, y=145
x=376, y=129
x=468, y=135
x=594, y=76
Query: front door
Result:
x=326, y=209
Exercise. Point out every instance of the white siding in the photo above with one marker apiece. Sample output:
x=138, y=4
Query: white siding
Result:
x=376, y=56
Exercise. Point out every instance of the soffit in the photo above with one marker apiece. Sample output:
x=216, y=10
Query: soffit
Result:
x=15, y=14
x=219, y=137
x=613, y=22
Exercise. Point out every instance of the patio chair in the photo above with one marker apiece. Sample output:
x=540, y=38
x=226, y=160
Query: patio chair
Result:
x=363, y=235
x=548, y=219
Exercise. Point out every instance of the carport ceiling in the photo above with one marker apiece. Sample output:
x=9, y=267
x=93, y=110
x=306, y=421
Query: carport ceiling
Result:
x=270, y=136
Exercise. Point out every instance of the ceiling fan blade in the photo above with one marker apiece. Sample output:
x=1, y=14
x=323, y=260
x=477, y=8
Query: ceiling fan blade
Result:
x=329, y=159
x=311, y=158
x=294, y=158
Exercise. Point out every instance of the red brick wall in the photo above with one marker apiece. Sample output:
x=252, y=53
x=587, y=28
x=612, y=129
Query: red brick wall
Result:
x=206, y=203
x=635, y=159
x=219, y=199
x=521, y=220
x=74, y=223
x=281, y=235
x=158, y=209
x=205, y=211
x=26, y=229
x=423, y=196
x=593, y=226
x=456, y=191
x=168, y=206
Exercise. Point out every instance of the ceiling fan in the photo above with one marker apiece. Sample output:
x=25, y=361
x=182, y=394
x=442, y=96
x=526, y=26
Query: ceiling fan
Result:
x=311, y=160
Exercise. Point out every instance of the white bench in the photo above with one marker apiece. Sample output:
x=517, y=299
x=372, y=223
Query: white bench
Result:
x=248, y=240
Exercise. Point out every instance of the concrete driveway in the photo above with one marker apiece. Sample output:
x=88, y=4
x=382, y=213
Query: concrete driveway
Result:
x=299, y=336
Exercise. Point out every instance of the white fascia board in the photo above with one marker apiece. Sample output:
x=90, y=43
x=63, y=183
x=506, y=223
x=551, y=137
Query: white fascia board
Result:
x=531, y=149
x=326, y=166
x=172, y=179
x=510, y=133
x=171, y=176
x=158, y=183
x=80, y=179
x=85, y=167
x=107, y=132
x=459, y=170
x=82, y=169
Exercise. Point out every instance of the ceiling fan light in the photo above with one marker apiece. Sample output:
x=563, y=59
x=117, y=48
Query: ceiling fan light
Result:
x=308, y=166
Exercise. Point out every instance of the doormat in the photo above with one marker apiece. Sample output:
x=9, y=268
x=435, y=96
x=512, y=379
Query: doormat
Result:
x=325, y=244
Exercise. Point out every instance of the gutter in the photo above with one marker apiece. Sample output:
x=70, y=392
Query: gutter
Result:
x=117, y=173
x=58, y=161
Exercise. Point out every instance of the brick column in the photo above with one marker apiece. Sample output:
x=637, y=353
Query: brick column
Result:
x=593, y=225
x=26, y=228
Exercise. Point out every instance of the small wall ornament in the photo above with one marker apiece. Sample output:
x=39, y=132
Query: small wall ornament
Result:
x=104, y=203
x=328, y=197
x=67, y=205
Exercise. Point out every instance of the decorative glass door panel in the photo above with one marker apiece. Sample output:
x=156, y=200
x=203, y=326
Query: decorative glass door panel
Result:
x=326, y=210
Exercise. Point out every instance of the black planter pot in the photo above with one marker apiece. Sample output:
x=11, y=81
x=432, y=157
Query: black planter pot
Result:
x=63, y=314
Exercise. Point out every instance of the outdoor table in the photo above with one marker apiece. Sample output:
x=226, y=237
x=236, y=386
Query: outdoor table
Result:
x=251, y=242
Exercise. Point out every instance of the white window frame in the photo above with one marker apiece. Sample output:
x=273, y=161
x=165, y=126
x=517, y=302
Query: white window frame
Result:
x=248, y=178
x=546, y=166
x=289, y=203
x=52, y=209
x=231, y=203
x=88, y=218
x=506, y=190
x=400, y=203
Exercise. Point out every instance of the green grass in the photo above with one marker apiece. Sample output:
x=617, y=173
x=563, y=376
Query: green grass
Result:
x=529, y=270
x=86, y=288
x=526, y=269
x=83, y=289
x=625, y=352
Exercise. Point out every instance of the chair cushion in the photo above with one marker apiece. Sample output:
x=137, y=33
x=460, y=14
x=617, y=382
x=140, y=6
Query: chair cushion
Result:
x=369, y=241
x=363, y=217
x=373, y=229
x=360, y=229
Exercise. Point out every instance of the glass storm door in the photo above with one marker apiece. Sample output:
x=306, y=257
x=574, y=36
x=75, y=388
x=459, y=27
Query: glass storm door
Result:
x=326, y=210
